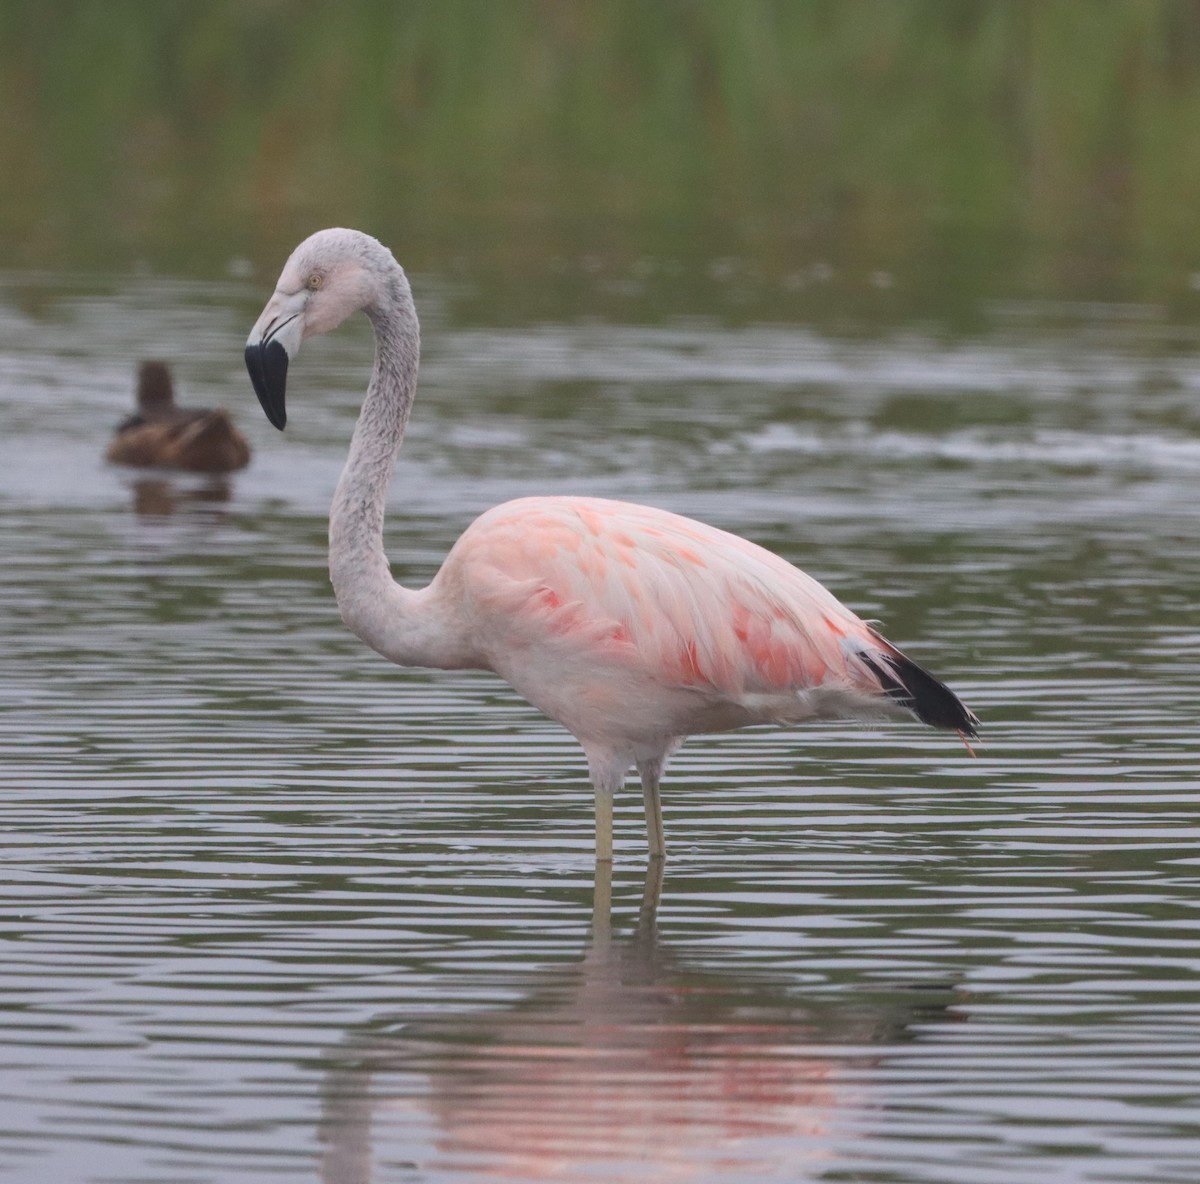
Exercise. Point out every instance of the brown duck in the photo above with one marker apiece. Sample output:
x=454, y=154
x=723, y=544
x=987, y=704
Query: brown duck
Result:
x=164, y=435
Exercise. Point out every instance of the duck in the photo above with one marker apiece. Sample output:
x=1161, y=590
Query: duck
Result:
x=161, y=434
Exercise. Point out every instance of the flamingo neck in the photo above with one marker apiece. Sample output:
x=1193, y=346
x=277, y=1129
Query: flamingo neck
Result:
x=404, y=625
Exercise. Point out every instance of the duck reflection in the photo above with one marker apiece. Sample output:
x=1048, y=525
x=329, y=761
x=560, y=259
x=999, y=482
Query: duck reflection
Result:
x=160, y=497
x=630, y=1065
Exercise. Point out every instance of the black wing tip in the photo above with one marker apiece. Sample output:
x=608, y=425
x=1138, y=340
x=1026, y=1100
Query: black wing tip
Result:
x=932, y=702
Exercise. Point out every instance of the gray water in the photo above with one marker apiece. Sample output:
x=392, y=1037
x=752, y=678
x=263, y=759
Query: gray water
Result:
x=275, y=910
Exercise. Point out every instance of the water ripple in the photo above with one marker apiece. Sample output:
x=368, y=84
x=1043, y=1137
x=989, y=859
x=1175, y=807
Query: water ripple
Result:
x=274, y=909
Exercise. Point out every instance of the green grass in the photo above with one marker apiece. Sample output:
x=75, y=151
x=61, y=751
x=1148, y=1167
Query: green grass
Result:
x=1022, y=148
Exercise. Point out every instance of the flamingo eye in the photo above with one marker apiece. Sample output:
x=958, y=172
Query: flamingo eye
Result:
x=315, y=280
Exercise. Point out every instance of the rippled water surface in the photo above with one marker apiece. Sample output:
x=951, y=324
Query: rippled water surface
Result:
x=275, y=910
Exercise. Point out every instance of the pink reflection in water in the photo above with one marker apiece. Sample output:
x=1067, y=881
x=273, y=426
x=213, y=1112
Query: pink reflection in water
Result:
x=621, y=1068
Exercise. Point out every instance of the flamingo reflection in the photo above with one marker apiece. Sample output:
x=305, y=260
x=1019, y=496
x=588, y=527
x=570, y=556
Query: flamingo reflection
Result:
x=631, y=1065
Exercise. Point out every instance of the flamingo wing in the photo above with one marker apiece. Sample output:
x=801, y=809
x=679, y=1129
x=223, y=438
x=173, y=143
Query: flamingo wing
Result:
x=682, y=603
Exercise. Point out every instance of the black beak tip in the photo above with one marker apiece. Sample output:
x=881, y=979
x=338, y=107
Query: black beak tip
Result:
x=268, y=366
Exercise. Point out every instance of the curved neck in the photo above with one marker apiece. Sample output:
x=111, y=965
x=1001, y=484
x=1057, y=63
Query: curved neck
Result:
x=405, y=626
x=357, y=563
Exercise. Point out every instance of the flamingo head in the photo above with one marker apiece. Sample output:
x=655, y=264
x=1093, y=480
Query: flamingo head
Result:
x=330, y=275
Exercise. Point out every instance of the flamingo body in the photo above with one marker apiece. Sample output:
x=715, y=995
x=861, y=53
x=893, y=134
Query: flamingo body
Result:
x=635, y=627
x=631, y=626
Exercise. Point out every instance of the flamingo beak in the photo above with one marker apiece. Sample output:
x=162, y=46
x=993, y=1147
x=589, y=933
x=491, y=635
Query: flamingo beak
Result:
x=273, y=341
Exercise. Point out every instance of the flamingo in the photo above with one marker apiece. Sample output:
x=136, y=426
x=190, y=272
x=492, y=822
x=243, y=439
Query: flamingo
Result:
x=632, y=627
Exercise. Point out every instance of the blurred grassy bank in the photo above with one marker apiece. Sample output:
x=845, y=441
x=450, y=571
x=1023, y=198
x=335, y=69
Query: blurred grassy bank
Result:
x=887, y=159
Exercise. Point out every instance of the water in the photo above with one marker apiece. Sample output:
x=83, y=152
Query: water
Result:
x=274, y=910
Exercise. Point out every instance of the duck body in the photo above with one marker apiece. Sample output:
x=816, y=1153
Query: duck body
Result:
x=161, y=434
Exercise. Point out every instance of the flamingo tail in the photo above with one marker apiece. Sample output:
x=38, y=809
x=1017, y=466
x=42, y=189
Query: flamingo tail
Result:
x=930, y=701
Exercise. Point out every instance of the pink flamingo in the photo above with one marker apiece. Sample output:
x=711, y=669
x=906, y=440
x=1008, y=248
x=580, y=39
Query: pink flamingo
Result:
x=632, y=627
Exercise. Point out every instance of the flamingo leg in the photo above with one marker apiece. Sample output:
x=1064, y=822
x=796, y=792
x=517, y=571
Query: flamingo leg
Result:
x=651, y=773
x=604, y=824
x=607, y=772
